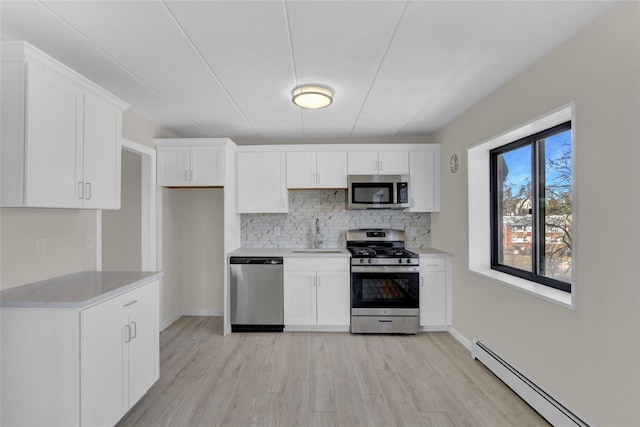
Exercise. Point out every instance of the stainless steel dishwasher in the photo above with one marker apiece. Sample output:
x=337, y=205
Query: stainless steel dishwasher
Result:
x=256, y=301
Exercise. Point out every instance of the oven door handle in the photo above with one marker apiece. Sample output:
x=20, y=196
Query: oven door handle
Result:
x=384, y=269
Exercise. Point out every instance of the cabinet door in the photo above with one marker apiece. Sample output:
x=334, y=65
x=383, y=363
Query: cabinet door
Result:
x=143, y=346
x=103, y=371
x=423, y=188
x=207, y=166
x=393, y=163
x=102, y=145
x=433, y=300
x=362, y=162
x=173, y=166
x=301, y=170
x=262, y=182
x=300, y=298
x=334, y=298
x=54, y=141
x=331, y=169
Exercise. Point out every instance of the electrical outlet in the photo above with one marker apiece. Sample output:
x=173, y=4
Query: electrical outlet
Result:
x=41, y=247
x=220, y=231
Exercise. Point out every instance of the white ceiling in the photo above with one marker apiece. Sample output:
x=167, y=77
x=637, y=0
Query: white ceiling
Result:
x=227, y=68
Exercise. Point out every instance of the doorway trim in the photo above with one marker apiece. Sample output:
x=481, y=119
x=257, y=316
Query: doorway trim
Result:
x=148, y=208
x=148, y=204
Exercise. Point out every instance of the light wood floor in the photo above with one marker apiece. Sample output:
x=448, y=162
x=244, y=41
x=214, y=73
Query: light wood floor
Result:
x=328, y=379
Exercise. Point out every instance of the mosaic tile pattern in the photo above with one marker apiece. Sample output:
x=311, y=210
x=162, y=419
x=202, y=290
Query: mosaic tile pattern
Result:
x=296, y=228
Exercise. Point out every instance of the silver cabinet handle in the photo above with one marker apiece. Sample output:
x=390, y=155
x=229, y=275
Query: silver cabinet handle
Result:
x=186, y=174
x=192, y=175
x=80, y=190
x=127, y=333
x=375, y=165
x=88, y=190
x=134, y=329
x=130, y=303
x=380, y=166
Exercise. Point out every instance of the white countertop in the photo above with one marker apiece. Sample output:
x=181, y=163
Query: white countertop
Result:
x=325, y=252
x=428, y=251
x=77, y=290
x=291, y=252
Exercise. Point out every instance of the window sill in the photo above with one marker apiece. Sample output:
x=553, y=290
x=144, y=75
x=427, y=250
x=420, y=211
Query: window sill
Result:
x=536, y=289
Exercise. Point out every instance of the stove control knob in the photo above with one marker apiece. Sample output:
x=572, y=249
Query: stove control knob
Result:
x=409, y=261
x=361, y=260
x=369, y=260
x=400, y=261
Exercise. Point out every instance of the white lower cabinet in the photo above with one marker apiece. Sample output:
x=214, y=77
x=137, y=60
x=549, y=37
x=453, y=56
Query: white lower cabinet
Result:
x=118, y=355
x=80, y=367
x=435, y=295
x=317, y=292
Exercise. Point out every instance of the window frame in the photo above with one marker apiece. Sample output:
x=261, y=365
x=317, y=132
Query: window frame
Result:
x=537, y=209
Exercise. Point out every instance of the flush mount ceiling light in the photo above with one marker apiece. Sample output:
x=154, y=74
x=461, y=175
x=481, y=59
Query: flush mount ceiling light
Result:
x=312, y=96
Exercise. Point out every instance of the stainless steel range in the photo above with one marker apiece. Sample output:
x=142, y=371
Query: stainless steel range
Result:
x=384, y=282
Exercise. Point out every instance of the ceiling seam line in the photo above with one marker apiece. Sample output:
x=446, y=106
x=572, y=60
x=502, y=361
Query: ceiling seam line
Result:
x=204, y=61
x=375, y=76
x=131, y=73
x=462, y=68
x=293, y=62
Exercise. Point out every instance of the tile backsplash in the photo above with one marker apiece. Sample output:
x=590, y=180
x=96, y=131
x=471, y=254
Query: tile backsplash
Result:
x=296, y=228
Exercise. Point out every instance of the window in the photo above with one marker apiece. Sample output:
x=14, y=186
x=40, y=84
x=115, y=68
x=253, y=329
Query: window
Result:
x=531, y=207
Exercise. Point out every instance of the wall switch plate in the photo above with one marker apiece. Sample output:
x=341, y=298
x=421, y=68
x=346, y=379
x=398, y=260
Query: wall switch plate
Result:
x=41, y=247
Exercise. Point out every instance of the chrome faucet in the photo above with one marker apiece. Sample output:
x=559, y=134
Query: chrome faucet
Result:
x=316, y=236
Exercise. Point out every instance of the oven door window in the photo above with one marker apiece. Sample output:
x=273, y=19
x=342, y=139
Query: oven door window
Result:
x=384, y=290
x=378, y=193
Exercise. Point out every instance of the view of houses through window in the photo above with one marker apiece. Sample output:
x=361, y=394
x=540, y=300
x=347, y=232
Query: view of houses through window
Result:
x=532, y=209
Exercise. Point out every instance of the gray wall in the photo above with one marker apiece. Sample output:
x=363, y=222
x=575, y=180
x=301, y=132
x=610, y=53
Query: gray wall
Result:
x=589, y=358
x=122, y=229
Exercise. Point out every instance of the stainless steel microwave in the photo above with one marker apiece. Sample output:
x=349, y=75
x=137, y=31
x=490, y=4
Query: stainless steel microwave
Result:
x=378, y=192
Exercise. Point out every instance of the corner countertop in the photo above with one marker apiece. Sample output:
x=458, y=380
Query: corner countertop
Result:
x=77, y=290
x=292, y=252
x=429, y=251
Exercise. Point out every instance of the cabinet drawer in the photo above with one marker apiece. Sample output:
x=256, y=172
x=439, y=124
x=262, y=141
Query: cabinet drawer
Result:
x=432, y=264
x=97, y=317
x=316, y=264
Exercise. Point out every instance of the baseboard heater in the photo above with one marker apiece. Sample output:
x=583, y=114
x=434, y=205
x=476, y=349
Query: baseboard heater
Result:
x=552, y=410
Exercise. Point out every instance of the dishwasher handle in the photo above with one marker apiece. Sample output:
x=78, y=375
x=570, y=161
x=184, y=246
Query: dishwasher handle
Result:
x=256, y=260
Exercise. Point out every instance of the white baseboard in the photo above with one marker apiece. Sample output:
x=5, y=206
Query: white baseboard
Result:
x=202, y=312
x=164, y=325
x=461, y=338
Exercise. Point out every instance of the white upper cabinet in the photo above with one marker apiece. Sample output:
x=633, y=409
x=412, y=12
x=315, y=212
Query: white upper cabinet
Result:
x=424, y=179
x=60, y=136
x=323, y=169
x=378, y=162
x=194, y=162
x=262, y=182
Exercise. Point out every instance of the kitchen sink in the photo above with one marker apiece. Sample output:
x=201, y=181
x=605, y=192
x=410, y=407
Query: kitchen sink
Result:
x=317, y=251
